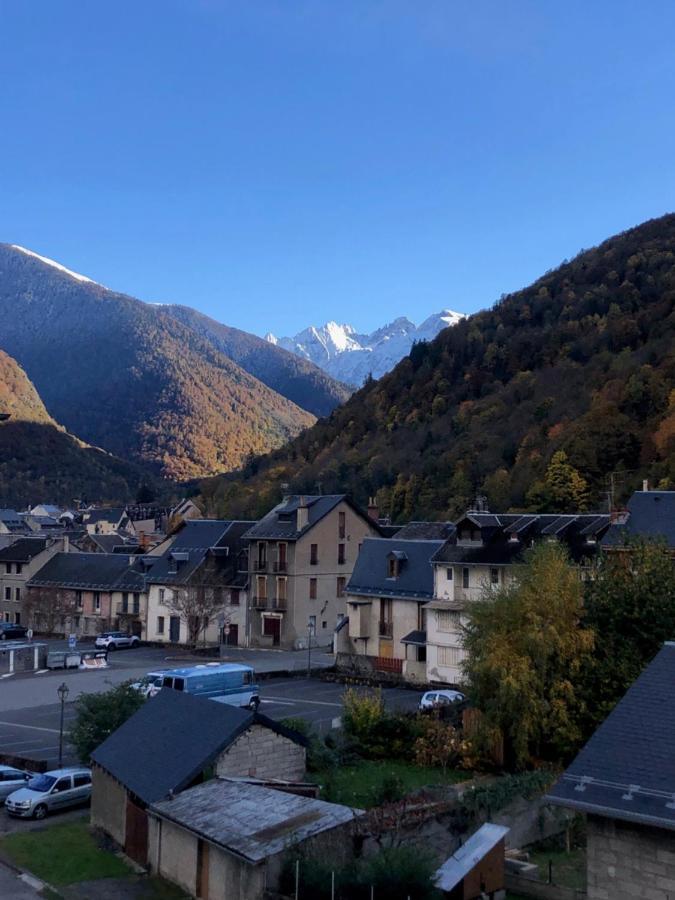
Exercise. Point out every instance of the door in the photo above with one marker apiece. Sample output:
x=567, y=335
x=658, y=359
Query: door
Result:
x=62, y=793
x=174, y=629
x=272, y=628
x=136, y=845
x=202, y=869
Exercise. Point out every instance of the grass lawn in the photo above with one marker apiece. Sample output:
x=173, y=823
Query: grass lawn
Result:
x=62, y=854
x=362, y=785
x=569, y=869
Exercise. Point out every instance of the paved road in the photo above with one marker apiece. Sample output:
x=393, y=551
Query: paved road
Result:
x=14, y=887
x=34, y=732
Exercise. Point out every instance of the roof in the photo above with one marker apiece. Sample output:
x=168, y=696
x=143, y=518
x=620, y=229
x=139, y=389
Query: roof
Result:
x=627, y=768
x=252, y=821
x=282, y=521
x=109, y=542
x=415, y=580
x=12, y=520
x=196, y=729
x=651, y=514
x=192, y=543
x=425, y=531
x=111, y=514
x=23, y=550
x=89, y=571
x=418, y=638
x=467, y=857
x=505, y=537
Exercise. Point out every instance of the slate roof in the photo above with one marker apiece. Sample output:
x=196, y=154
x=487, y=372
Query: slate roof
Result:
x=416, y=575
x=23, y=550
x=89, y=571
x=11, y=519
x=171, y=739
x=112, y=515
x=194, y=541
x=253, y=821
x=108, y=542
x=506, y=536
x=651, y=514
x=627, y=769
x=281, y=523
x=467, y=857
x=425, y=531
x=417, y=637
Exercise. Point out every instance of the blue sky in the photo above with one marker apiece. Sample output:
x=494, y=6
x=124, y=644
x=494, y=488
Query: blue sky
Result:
x=280, y=162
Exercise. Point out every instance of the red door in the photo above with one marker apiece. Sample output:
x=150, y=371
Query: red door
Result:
x=272, y=628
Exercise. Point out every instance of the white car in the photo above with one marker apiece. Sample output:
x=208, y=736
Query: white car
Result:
x=115, y=640
x=434, y=699
x=11, y=780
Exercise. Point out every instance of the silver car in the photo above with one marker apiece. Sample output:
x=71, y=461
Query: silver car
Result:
x=434, y=699
x=11, y=780
x=50, y=792
x=115, y=640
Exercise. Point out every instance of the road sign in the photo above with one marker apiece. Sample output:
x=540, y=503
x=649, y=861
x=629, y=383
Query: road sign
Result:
x=72, y=641
x=29, y=634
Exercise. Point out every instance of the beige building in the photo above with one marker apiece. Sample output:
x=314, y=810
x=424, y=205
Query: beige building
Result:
x=301, y=556
x=18, y=563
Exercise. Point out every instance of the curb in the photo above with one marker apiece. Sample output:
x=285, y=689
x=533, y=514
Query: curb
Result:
x=27, y=877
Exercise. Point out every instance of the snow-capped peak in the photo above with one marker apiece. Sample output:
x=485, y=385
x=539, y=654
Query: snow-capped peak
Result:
x=55, y=265
x=271, y=339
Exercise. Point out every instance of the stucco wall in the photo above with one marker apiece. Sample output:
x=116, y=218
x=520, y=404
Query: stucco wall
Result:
x=108, y=805
x=626, y=861
x=262, y=753
x=175, y=854
x=233, y=879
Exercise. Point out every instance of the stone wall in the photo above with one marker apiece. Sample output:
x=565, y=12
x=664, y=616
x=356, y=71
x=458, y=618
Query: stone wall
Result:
x=108, y=805
x=262, y=753
x=627, y=861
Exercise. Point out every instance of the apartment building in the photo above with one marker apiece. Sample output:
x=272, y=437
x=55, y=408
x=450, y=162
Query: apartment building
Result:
x=18, y=563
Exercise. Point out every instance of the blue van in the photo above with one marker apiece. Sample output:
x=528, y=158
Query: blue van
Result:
x=224, y=682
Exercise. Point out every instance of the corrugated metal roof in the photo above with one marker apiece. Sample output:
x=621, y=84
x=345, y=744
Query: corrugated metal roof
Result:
x=469, y=855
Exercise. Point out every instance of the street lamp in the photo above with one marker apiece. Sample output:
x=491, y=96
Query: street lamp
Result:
x=310, y=631
x=63, y=692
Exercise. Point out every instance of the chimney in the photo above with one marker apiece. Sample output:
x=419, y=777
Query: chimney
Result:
x=645, y=484
x=285, y=494
x=303, y=514
x=373, y=511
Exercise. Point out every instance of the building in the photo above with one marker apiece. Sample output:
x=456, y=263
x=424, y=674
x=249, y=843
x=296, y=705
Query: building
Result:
x=11, y=522
x=228, y=840
x=86, y=593
x=106, y=520
x=387, y=596
x=476, y=869
x=18, y=563
x=200, y=571
x=175, y=741
x=301, y=556
x=649, y=514
x=624, y=781
x=483, y=555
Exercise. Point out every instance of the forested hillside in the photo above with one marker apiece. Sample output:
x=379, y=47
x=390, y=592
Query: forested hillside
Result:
x=130, y=378
x=40, y=462
x=532, y=403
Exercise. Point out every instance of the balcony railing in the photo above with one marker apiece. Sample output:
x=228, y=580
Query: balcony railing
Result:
x=386, y=664
x=269, y=603
x=127, y=609
x=281, y=566
x=386, y=629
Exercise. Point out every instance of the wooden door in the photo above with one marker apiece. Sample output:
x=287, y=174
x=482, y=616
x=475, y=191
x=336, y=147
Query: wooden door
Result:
x=136, y=843
x=272, y=628
x=202, y=886
x=387, y=649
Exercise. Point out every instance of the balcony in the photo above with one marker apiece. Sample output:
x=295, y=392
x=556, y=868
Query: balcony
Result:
x=271, y=603
x=127, y=609
x=281, y=566
x=386, y=629
x=260, y=565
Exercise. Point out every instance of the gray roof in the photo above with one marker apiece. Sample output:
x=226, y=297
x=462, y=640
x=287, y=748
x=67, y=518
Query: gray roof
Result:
x=171, y=739
x=89, y=571
x=415, y=580
x=281, y=523
x=108, y=542
x=23, y=550
x=651, y=514
x=12, y=520
x=425, y=531
x=110, y=514
x=627, y=769
x=467, y=857
x=195, y=539
x=252, y=821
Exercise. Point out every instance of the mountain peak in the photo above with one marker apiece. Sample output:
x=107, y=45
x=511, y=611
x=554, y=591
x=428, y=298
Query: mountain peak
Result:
x=50, y=262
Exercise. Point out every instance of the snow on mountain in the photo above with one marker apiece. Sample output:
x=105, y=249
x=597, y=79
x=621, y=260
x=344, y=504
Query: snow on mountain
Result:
x=351, y=357
x=55, y=265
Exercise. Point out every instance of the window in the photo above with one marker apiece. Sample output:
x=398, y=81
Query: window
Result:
x=160, y=624
x=262, y=554
x=392, y=567
x=63, y=784
x=341, y=555
x=341, y=582
x=312, y=588
x=281, y=590
x=448, y=574
x=81, y=780
x=17, y=595
x=8, y=593
x=386, y=626
x=125, y=602
x=494, y=576
x=342, y=525
x=465, y=577
x=261, y=587
x=97, y=601
x=19, y=567
x=313, y=554
x=162, y=594
x=449, y=656
x=234, y=597
x=281, y=557
x=17, y=618
x=324, y=624
x=137, y=603
x=448, y=620
x=8, y=568
x=76, y=621
x=6, y=617
x=78, y=599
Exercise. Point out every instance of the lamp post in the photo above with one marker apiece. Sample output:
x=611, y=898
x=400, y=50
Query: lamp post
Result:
x=63, y=692
x=309, y=648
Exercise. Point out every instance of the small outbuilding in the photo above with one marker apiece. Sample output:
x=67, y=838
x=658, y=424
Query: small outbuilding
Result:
x=476, y=869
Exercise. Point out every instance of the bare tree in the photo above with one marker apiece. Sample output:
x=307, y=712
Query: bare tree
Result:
x=199, y=601
x=46, y=608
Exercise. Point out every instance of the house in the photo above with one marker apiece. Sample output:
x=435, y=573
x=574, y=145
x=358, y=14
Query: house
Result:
x=46, y=509
x=200, y=571
x=482, y=555
x=11, y=522
x=173, y=742
x=301, y=556
x=111, y=542
x=476, y=869
x=18, y=563
x=387, y=596
x=623, y=780
x=106, y=520
x=87, y=593
x=649, y=514
x=228, y=840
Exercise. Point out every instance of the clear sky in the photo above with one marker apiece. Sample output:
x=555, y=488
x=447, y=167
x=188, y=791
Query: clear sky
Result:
x=277, y=163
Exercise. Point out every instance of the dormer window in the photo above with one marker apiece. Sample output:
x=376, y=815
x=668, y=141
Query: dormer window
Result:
x=393, y=568
x=285, y=517
x=395, y=561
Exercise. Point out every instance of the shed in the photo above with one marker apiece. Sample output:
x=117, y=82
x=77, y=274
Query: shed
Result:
x=476, y=869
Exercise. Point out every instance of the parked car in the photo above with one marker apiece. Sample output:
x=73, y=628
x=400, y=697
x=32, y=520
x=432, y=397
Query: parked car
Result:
x=149, y=684
x=434, y=699
x=9, y=631
x=11, y=780
x=50, y=792
x=116, y=640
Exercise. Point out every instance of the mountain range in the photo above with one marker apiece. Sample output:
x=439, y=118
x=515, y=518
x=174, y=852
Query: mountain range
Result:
x=351, y=357
x=560, y=395
x=160, y=386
